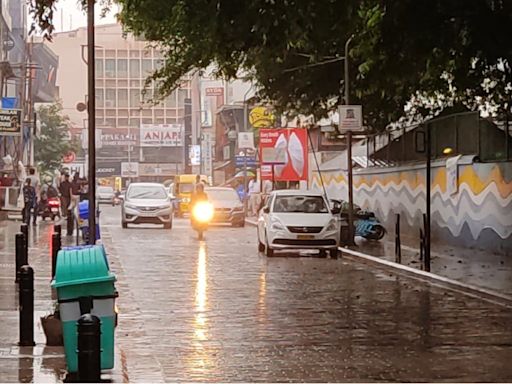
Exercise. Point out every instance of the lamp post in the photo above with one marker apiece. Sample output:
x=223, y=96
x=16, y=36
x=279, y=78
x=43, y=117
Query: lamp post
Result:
x=349, y=151
x=91, y=105
x=246, y=113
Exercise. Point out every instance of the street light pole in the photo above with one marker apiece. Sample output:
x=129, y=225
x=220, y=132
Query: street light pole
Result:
x=349, y=151
x=91, y=105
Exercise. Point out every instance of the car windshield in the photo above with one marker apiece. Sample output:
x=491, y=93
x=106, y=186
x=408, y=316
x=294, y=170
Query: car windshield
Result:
x=186, y=188
x=222, y=195
x=147, y=192
x=300, y=204
x=105, y=190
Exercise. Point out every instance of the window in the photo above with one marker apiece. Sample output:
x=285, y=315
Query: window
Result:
x=122, y=68
x=111, y=122
x=135, y=83
x=110, y=68
x=182, y=95
x=134, y=54
x=300, y=204
x=122, y=122
x=134, y=98
x=134, y=68
x=110, y=53
x=170, y=101
x=99, y=67
x=110, y=98
x=99, y=98
x=147, y=66
x=122, y=97
x=134, y=122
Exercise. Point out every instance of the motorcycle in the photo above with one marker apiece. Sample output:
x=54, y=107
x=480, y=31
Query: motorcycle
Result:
x=116, y=200
x=202, y=214
x=368, y=226
x=365, y=223
x=49, y=207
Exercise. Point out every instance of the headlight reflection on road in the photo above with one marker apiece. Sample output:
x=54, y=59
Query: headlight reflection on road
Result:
x=202, y=361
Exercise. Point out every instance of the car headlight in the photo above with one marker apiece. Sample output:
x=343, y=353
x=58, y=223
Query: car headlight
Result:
x=130, y=206
x=332, y=226
x=276, y=225
x=186, y=200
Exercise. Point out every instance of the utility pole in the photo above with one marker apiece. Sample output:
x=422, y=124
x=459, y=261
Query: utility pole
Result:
x=91, y=106
x=349, y=152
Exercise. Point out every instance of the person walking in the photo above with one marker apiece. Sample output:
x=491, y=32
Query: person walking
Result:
x=29, y=199
x=254, y=196
x=65, y=195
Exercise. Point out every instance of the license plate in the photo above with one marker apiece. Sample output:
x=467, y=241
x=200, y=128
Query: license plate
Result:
x=305, y=237
x=55, y=210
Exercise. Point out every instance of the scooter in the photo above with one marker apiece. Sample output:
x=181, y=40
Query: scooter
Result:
x=368, y=226
x=202, y=215
x=49, y=208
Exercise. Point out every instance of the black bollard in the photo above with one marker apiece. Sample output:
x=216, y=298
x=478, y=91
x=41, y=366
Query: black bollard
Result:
x=26, y=306
x=70, y=222
x=56, y=245
x=57, y=229
x=88, y=348
x=398, y=242
x=24, y=230
x=21, y=258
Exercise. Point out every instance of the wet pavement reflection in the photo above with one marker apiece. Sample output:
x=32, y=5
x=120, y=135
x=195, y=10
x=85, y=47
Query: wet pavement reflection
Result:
x=217, y=310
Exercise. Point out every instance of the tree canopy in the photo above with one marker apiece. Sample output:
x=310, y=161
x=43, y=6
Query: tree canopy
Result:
x=52, y=144
x=456, y=51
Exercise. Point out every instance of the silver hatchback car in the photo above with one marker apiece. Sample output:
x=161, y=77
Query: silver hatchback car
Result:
x=146, y=203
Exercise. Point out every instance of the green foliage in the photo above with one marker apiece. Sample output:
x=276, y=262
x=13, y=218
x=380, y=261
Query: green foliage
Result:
x=53, y=142
x=449, y=51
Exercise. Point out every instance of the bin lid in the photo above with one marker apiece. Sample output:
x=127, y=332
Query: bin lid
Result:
x=82, y=265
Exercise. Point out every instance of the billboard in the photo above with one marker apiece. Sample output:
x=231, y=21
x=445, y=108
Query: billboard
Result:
x=284, y=154
x=10, y=122
x=130, y=169
x=161, y=135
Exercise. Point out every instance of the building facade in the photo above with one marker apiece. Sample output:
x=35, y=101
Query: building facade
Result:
x=125, y=115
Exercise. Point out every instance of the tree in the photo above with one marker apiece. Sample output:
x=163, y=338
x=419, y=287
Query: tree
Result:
x=53, y=142
x=449, y=50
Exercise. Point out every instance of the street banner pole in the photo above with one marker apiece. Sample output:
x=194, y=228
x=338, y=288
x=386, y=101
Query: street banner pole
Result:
x=91, y=104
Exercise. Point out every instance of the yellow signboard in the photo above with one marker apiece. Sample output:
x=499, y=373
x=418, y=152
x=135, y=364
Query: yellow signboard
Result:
x=261, y=117
x=117, y=184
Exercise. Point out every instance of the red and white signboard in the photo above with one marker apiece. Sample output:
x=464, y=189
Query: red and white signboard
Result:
x=214, y=91
x=161, y=135
x=284, y=154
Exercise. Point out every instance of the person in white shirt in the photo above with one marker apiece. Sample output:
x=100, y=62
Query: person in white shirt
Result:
x=254, y=196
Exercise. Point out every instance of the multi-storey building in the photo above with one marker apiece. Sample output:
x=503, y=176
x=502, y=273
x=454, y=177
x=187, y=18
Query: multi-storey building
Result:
x=122, y=101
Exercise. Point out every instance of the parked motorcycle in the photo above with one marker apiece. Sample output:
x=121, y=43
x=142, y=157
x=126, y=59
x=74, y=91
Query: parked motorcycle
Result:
x=368, y=226
x=365, y=223
x=202, y=215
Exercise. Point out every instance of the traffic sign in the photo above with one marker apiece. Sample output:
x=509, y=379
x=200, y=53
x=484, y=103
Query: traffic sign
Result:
x=251, y=161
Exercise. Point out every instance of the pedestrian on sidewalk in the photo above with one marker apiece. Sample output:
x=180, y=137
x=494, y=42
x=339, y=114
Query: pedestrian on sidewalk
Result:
x=34, y=183
x=29, y=199
x=65, y=195
x=254, y=196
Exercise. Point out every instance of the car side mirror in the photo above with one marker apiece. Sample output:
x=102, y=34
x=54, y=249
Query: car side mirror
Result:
x=266, y=210
x=336, y=210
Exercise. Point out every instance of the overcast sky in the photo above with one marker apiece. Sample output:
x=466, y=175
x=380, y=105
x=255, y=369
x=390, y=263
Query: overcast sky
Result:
x=69, y=15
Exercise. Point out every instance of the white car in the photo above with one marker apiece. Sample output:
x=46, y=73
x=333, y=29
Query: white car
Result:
x=295, y=219
x=104, y=194
x=146, y=203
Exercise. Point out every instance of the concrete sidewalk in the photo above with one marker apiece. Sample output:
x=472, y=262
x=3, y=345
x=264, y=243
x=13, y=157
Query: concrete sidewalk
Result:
x=29, y=364
x=469, y=266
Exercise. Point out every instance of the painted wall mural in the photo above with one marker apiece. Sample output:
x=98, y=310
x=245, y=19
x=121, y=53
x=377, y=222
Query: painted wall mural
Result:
x=471, y=202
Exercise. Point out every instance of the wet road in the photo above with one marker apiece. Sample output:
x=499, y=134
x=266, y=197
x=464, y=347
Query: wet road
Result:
x=219, y=311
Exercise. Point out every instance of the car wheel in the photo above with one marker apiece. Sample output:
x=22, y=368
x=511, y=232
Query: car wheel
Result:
x=269, y=252
x=333, y=253
x=323, y=253
x=261, y=246
x=124, y=224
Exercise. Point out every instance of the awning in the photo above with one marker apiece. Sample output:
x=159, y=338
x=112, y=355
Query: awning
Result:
x=222, y=166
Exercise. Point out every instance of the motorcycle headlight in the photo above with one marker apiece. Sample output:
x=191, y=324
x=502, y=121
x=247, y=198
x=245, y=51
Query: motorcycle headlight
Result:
x=203, y=212
x=332, y=226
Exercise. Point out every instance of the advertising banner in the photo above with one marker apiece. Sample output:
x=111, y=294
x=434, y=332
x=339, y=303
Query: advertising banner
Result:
x=10, y=122
x=284, y=154
x=130, y=169
x=161, y=135
x=108, y=169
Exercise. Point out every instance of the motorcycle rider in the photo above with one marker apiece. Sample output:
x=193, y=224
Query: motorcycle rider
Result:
x=198, y=196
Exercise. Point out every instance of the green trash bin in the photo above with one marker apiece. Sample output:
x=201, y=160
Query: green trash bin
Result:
x=85, y=284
